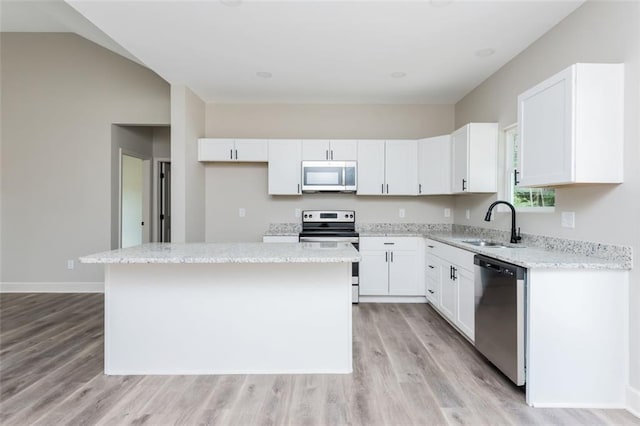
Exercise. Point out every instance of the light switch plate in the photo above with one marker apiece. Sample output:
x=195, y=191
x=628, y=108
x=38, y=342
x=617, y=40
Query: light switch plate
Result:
x=447, y=212
x=468, y=214
x=401, y=212
x=70, y=264
x=242, y=212
x=568, y=219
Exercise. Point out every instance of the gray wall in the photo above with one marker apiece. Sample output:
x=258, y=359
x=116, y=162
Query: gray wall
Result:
x=596, y=32
x=60, y=96
x=187, y=174
x=231, y=186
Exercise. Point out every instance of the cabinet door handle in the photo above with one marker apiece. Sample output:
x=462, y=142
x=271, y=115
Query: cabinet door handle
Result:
x=419, y=188
x=392, y=256
x=236, y=154
x=515, y=177
x=387, y=188
x=455, y=275
x=298, y=188
x=464, y=184
x=389, y=244
x=431, y=266
x=450, y=272
x=326, y=154
x=382, y=188
x=231, y=154
x=431, y=291
x=332, y=154
x=386, y=256
x=431, y=246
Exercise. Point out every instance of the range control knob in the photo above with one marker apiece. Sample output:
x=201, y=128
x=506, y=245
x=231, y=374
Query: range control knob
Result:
x=305, y=216
x=346, y=215
x=351, y=216
x=310, y=215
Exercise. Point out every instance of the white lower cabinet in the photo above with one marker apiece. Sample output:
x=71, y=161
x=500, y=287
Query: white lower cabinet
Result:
x=391, y=266
x=450, y=285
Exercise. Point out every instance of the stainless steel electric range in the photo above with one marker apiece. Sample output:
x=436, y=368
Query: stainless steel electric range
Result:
x=333, y=226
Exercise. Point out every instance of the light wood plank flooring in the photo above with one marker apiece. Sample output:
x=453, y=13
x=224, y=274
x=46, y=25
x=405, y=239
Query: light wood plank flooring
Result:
x=410, y=367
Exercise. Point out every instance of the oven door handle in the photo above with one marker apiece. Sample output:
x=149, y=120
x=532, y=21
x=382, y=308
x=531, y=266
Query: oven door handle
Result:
x=329, y=239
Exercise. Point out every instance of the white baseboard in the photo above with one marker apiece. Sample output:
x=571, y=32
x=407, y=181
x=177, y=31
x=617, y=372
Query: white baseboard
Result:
x=393, y=299
x=52, y=287
x=633, y=401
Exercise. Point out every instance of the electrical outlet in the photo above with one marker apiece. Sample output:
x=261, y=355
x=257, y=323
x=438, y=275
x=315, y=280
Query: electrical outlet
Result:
x=297, y=213
x=242, y=212
x=70, y=264
x=401, y=213
x=568, y=219
x=447, y=212
x=468, y=214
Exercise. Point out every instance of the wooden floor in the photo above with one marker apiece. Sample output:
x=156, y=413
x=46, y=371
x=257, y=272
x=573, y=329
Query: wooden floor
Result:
x=410, y=367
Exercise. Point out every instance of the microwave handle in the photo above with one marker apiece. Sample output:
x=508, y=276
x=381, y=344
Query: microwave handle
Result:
x=344, y=175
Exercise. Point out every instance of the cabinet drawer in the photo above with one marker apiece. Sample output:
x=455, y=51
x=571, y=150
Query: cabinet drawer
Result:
x=453, y=255
x=433, y=270
x=390, y=244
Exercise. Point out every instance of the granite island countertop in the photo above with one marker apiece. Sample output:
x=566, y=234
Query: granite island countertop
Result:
x=229, y=253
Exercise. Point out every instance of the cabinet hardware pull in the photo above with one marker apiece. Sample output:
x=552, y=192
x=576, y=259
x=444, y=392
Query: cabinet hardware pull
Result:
x=332, y=154
x=431, y=291
x=515, y=177
x=464, y=184
x=431, y=246
x=298, y=188
x=431, y=266
x=236, y=154
x=230, y=154
x=386, y=256
x=392, y=256
x=389, y=244
x=451, y=272
x=455, y=275
x=387, y=188
x=419, y=188
x=383, y=188
x=326, y=154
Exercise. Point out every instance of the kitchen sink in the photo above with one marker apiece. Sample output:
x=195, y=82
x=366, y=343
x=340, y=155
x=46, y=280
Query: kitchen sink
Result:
x=484, y=243
x=491, y=244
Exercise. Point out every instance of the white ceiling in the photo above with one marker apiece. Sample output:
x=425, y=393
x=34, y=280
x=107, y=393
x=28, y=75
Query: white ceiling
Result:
x=324, y=51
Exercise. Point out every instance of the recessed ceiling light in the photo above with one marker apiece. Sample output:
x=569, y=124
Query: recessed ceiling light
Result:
x=398, y=74
x=264, y=74
x=231, y=3
x=483, y=53
x=440, y=3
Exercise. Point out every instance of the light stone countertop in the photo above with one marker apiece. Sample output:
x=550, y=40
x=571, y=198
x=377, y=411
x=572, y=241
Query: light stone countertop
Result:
x=532, y=257
x=229, y=253
x=535, y=251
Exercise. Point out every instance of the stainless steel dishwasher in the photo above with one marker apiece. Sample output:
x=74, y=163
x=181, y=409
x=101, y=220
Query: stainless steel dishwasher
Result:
x=500, y=315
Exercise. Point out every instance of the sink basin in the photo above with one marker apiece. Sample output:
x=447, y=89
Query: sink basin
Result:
x=484, y=243
x=492, y=244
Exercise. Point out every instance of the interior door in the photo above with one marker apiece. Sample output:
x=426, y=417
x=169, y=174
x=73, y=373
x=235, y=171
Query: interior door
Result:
x=132, y=197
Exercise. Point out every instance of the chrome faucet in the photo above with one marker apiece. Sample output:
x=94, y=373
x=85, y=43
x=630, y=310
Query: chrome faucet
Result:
x=515, y=237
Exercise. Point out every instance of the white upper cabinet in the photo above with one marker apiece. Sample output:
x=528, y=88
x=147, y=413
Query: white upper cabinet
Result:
x=285, y=172
x=571, y=127
x=370, y=167
x=387, y=167
x=434, y=165
x=475, y=158
x=320, y=149
x=241, y=150
x=401, y=167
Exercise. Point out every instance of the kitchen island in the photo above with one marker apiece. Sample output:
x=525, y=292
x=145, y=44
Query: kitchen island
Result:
x=240, y=308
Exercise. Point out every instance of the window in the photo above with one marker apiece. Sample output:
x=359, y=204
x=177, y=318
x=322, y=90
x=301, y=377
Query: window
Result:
x=524, y=199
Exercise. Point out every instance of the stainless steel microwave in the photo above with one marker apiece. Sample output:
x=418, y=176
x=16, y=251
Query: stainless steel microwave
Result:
x=329, y=176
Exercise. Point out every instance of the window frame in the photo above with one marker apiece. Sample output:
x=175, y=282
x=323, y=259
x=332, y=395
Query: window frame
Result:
x=508, y=188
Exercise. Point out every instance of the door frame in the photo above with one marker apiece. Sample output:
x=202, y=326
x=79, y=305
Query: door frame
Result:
x=155, y=210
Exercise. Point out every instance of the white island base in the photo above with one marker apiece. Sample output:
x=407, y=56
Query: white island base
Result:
x=227, y=318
